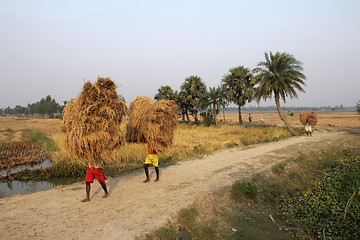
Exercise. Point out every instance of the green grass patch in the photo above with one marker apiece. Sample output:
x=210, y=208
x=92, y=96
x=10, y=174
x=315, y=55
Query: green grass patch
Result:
x=47, y=143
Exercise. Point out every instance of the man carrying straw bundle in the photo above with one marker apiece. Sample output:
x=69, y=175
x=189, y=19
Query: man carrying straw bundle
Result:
x=308, y=128
x=91, y=123
x=95, y=170
x=154, y=123
x=308, y=120
x=151, y=158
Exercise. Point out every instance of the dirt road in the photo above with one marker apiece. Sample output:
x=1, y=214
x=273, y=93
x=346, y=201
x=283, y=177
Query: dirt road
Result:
x=134, y=208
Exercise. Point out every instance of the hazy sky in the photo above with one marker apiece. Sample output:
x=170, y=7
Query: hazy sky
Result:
x=52, y=47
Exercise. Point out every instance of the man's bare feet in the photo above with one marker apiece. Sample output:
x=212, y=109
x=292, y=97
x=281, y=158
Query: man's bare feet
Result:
x=86, y=200
x=156, y=180
x=105, y=195
x=146, y=181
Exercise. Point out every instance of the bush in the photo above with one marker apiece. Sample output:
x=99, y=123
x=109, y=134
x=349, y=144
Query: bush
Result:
x=242, y=189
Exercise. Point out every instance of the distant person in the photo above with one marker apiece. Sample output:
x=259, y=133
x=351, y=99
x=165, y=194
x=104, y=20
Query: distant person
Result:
x=308, y=128
x=250, y=118
x=94, y=170
x=151, y=158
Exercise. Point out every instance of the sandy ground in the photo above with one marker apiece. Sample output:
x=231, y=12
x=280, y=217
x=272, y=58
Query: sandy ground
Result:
x=134, y=208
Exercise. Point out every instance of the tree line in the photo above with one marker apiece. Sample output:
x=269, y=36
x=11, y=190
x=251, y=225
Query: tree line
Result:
x=280, y=76
x=46, y=106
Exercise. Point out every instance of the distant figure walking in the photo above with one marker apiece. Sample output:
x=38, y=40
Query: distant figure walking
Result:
x=250, y=118
x=308, y=120
x=308, y=128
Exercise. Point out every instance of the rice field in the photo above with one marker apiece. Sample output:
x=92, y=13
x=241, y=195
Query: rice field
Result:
x=14, y=154
x=325, y=119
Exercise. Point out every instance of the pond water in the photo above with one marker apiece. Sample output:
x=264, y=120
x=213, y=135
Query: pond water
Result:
x=43, y=164
x=14, y=187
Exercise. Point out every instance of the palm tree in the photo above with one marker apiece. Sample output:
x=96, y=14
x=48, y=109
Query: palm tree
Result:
x=224, y=101
x=281, y=75
x=239, y=86
x=214, y=100
x=165, y=92
x=183, y=106
x=194, y=91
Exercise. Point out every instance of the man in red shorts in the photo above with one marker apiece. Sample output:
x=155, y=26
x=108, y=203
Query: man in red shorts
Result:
x=94, y=170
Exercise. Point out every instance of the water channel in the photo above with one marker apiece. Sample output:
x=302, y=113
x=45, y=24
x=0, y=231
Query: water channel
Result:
x=22, y=187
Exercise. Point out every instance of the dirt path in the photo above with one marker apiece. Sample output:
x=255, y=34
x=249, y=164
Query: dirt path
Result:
x=134, y=208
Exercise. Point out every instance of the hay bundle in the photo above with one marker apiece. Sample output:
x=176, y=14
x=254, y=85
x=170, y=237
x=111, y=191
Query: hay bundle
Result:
x=91, y=121
x=311, y=117
x=303, y=118
x=152, y=122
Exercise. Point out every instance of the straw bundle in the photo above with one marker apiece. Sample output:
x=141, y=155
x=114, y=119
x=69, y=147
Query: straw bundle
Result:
x=311, y=117
x=152, y=122
x=303, y=118
x=91, y=121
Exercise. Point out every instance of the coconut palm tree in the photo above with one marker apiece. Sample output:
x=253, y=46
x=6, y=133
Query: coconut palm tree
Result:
x=239, y=86
x=194, y=92
x=279, y=75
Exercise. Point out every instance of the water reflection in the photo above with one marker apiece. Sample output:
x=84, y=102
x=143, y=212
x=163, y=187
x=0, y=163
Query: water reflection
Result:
x=43, y=164
x=13, y=187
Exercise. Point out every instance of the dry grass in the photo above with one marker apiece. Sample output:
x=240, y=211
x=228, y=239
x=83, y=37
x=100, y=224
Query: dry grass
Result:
x=49, y=127
x=324, y=119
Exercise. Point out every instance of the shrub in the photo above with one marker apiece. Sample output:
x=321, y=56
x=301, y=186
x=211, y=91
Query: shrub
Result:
x=242, y=189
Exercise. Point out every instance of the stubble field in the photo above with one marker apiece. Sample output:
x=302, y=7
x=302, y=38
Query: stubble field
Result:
x=325, y=119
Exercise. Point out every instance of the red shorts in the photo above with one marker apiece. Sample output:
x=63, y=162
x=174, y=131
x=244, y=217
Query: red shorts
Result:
x=94, y=172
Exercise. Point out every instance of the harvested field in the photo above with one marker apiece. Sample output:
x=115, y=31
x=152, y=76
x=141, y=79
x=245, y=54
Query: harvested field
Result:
x=324, y=119
x=14, y=154
x=49, y=127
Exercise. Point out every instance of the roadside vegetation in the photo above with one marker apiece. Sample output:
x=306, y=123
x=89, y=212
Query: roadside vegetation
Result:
x=310, y=196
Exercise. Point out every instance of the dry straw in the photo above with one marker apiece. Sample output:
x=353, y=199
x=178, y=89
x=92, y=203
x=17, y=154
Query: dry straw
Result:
x=311, y=117
x=153, y=122
x=91, y=121
x=303, y=118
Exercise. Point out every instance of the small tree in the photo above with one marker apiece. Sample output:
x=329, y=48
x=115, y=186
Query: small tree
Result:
x=358, y=106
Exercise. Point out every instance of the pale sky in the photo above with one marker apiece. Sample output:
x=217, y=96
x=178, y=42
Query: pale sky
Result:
x=52, y=47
